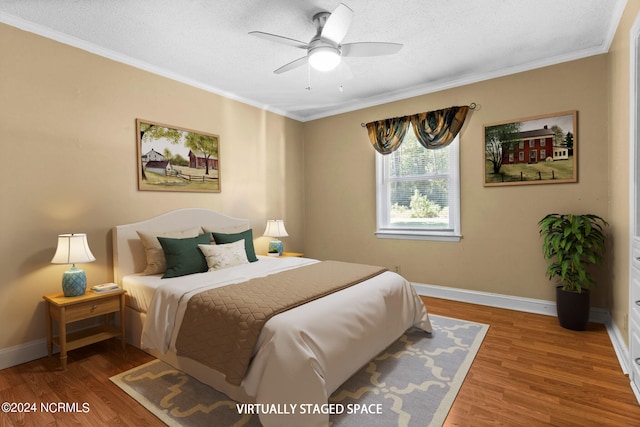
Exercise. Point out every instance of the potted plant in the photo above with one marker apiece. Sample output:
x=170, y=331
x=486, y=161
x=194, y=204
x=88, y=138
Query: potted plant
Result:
x=572, y=243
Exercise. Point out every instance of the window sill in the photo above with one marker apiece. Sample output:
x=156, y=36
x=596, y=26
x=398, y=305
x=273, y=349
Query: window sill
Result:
x=446, y=236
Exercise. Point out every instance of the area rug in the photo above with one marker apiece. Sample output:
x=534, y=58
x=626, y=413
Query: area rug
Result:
x=412, y=383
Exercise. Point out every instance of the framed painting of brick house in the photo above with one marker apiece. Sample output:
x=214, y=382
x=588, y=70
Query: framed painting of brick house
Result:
x=171, y=158
x=533, y=150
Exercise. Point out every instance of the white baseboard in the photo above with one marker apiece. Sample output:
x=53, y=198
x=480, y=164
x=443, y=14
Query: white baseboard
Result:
x=528, y=305
x=32, y=350
x=619, y=346
x=23, y=353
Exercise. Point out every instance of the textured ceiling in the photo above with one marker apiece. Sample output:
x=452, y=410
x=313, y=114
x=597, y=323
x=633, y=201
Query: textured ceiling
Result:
x=205, y=43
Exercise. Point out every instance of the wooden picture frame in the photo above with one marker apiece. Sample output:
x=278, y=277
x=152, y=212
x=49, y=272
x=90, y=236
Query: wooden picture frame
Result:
x=534, y=150
x=171, y=158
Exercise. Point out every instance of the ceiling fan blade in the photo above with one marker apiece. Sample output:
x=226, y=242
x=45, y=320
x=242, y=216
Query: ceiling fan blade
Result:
x=337, y=24
x=291, y=65
x=280, y=39
x=370, y=49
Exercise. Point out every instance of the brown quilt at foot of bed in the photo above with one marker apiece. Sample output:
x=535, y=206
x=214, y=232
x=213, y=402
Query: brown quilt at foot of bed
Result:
x=221, y=326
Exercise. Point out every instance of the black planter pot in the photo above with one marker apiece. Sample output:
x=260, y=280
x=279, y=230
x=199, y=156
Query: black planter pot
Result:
x=573, y=309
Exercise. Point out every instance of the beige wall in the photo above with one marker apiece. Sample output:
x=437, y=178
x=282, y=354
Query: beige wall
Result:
x=500, y=251
x=68, y=145
x=67, y=132
x=619, y=143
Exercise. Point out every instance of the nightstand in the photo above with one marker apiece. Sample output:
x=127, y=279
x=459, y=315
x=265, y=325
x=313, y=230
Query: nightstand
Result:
x=289, y=254
x=71, y=309
x=294, y=254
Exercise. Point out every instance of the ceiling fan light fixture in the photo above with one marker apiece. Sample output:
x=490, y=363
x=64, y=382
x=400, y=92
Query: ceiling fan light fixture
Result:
x=324, y=58
x=325, y=50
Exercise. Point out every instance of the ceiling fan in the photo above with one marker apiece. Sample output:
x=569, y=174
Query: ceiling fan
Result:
x=324, y=50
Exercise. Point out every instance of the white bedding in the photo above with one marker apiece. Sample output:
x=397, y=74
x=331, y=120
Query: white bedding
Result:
x=303, y=354
x=140, y=290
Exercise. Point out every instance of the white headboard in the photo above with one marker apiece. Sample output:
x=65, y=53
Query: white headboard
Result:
x=128, y=252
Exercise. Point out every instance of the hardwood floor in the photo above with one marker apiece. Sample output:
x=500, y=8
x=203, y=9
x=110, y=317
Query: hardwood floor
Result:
x=85, y=381
x=528, y=372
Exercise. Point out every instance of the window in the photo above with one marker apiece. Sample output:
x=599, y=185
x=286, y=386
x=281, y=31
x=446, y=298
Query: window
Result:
x=418, y=192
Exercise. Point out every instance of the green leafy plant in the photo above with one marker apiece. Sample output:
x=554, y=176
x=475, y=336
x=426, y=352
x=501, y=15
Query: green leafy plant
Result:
x=572, y=243
x=423, y=207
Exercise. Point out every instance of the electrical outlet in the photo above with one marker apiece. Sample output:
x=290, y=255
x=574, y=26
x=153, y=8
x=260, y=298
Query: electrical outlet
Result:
x=396, y=269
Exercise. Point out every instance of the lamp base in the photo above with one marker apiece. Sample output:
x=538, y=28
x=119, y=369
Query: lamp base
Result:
x=276, y=245
x=74, y=282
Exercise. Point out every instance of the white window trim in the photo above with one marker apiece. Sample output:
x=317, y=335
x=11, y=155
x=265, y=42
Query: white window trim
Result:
x=384, y=231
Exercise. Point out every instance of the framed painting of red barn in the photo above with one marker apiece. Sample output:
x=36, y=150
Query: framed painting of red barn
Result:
x=171, y=158
x=533, y=150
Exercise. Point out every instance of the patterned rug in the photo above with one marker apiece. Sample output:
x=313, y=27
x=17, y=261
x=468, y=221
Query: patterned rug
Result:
x=412, y=383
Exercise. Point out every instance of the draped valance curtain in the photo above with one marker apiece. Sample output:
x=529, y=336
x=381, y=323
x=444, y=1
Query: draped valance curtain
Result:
x=433, y=129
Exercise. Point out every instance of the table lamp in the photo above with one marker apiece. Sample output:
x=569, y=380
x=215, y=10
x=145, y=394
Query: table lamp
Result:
x=73, y=249
x=275, y=228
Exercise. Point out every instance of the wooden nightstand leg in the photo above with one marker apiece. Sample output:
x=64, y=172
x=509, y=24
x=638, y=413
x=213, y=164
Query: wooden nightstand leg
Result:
x=123, y=335
x=49, y=332
x=62, y=326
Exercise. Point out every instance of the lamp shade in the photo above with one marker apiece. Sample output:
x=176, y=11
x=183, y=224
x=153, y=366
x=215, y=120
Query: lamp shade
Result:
x=275, y=228
x=73, y=249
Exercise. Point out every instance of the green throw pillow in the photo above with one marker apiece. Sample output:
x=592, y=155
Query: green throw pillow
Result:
x=221, y=239
x=183, y=255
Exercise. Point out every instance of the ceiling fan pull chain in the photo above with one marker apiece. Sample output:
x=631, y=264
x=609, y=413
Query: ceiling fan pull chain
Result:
x=308, y=77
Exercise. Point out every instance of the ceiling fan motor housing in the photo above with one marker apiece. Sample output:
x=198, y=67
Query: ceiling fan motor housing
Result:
x=319, y=19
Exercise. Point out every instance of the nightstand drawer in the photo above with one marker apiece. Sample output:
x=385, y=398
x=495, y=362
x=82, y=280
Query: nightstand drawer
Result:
x=93, y=308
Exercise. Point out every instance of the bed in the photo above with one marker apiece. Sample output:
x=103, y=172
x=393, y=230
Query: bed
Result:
x=301, y=355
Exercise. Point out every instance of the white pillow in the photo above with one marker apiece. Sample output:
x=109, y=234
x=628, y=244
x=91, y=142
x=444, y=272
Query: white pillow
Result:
x=224, y=256
x=156, y=262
